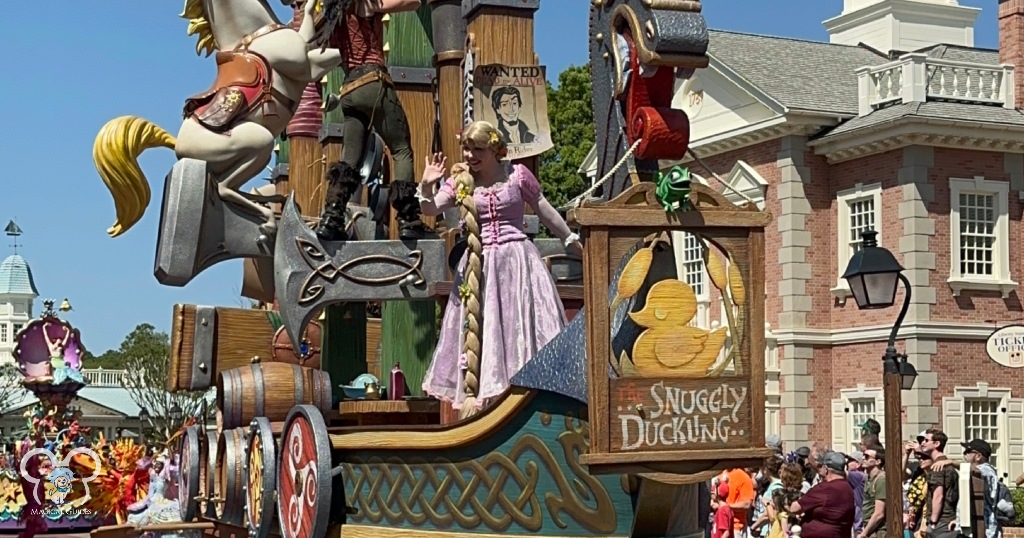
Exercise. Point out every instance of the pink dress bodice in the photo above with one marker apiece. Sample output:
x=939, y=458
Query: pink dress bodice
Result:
x=501, y=207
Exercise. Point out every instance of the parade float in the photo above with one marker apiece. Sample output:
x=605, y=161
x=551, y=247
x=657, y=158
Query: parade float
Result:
x=321, y=428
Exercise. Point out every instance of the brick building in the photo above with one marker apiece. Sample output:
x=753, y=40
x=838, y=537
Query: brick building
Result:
x=901, y=125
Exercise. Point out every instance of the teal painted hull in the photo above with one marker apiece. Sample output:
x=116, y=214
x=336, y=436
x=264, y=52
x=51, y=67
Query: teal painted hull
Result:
x=523, y=479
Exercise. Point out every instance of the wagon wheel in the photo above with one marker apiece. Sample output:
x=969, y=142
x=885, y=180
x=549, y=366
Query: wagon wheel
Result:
x=207, y=470
x=188, y=473
x=260, y=467
x=304, y=475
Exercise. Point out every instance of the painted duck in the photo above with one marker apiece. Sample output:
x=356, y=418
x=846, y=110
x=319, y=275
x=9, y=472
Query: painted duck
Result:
x=669, y=346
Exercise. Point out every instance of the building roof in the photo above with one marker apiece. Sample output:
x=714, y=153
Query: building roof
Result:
x=821, y=77
x=116, y=399
x=931, y=110
x=16, y=277
x=799, y=74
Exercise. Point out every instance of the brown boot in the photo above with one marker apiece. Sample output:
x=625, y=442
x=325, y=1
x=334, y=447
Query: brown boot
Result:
x=342, y=181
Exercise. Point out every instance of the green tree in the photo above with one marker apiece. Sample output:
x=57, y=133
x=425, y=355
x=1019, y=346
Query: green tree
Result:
x=111, y=359
x=146, y=355
x=571, y=116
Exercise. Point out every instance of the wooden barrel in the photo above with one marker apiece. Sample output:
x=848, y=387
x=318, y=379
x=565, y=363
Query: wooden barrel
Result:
x=188, y=473
x=269, y=390
x=207, y=470
x=261, y=470
x=304, y=478
x=230, y=479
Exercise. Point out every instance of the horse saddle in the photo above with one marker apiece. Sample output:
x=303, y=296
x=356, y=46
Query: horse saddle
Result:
x=243, y=84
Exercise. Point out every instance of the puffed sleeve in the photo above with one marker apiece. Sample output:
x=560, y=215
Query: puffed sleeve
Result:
x=445, y=196
x=529, y=186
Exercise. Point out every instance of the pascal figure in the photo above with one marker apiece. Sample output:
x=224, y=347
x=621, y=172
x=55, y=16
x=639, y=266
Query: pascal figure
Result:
x=368, y=100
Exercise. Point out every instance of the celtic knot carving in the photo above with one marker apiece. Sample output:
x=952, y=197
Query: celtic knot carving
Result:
x=326, y=269
x=494, y=491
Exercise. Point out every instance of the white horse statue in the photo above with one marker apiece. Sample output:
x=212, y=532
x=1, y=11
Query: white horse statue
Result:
x=262, y=68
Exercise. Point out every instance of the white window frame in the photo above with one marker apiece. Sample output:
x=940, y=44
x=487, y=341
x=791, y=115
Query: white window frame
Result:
x=703, y=317
x=844, y=198
x=1009, y=460
x=1001, y=281
x=4, y=333
x=845, y=437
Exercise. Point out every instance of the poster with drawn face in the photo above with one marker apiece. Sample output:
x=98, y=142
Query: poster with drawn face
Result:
x=514, y=99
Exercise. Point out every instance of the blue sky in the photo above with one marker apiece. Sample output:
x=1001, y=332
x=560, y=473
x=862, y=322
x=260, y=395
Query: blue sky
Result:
x=72, y=69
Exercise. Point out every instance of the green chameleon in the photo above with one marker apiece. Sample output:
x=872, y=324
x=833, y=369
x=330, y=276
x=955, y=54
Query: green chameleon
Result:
x=673, y=189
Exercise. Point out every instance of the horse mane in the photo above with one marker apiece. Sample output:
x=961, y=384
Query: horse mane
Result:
x=197, y=24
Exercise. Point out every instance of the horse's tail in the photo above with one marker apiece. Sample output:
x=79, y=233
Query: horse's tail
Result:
x=115, y=153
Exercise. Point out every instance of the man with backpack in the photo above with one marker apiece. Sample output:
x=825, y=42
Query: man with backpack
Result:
x=998, y=503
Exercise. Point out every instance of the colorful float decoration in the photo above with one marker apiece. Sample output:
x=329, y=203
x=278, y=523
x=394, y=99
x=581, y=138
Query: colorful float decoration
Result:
x=49, y=352
x=568, y=449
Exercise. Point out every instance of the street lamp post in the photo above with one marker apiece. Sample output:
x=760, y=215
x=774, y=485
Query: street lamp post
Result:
x=143, y=417
x=175, y=413
x=873, y=275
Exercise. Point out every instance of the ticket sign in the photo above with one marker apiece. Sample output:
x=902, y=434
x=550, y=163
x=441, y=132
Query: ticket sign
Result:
x=1005, y=346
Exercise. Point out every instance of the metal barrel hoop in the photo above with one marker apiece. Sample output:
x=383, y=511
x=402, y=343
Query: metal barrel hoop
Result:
x=261, y=473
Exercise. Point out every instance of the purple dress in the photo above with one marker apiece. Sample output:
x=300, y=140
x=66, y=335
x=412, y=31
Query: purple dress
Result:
x=522, y=310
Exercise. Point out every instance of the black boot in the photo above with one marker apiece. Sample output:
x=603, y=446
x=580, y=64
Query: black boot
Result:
x=342, y=181
x=402, y=198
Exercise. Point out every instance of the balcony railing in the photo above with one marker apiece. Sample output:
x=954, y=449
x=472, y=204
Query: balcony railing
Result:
x=916, y=77
x=103, y=378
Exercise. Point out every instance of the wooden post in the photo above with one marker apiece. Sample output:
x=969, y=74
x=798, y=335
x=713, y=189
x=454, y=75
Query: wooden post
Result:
x=407, y=327
x=449, y=28
x=502, y=33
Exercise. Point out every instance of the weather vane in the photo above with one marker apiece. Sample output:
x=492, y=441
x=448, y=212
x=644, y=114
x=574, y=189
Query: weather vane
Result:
x=12, y=230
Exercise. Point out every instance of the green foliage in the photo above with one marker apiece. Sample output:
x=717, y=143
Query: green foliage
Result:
x=1018, y=505
x=111, y=359
x=571, y=115
x=147, y=360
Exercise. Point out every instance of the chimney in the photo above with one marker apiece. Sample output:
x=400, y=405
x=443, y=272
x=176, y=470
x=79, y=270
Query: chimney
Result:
x=1011, y=43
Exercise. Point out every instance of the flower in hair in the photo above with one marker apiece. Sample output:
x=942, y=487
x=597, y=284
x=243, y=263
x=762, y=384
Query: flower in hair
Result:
x=464, y=292
x=461, y=192
x=463, y=362
x=494, y=138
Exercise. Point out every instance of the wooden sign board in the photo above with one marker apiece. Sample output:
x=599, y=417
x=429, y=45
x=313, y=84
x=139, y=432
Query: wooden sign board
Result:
x=671, y=391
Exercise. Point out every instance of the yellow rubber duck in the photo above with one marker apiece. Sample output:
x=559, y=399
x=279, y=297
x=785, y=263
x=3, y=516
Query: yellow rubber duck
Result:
x=669, y=346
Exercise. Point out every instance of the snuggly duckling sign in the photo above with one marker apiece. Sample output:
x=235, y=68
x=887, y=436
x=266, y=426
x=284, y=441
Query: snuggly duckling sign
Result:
x=675, y=311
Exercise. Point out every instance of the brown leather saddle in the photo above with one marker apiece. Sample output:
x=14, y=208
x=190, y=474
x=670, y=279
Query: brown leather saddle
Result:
x=243, y=85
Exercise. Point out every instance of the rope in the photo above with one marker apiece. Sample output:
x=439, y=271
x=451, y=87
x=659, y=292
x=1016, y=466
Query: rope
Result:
x=575, y=202
x=471, y=345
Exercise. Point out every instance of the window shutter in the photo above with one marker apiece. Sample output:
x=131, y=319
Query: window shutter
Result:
x=1013, y=457
x=839, y=426
x=953, y=422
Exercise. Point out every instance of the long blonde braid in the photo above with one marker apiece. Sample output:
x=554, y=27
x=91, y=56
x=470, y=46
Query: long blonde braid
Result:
x=469, y=290
x=479, y=134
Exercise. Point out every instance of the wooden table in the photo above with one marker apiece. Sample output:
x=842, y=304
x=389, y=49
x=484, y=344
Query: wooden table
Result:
x=389, y=412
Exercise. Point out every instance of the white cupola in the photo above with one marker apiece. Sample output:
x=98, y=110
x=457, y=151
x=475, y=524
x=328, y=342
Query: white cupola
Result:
x=903, y=25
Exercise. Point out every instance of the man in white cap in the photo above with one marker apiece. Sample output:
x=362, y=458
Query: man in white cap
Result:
x=856, y=477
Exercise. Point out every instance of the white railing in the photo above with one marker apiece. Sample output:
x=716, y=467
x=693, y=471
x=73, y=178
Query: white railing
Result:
x=103, y=378
x=916, y=77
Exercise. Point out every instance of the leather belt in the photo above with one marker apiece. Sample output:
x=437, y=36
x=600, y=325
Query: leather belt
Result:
x=364, y=75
